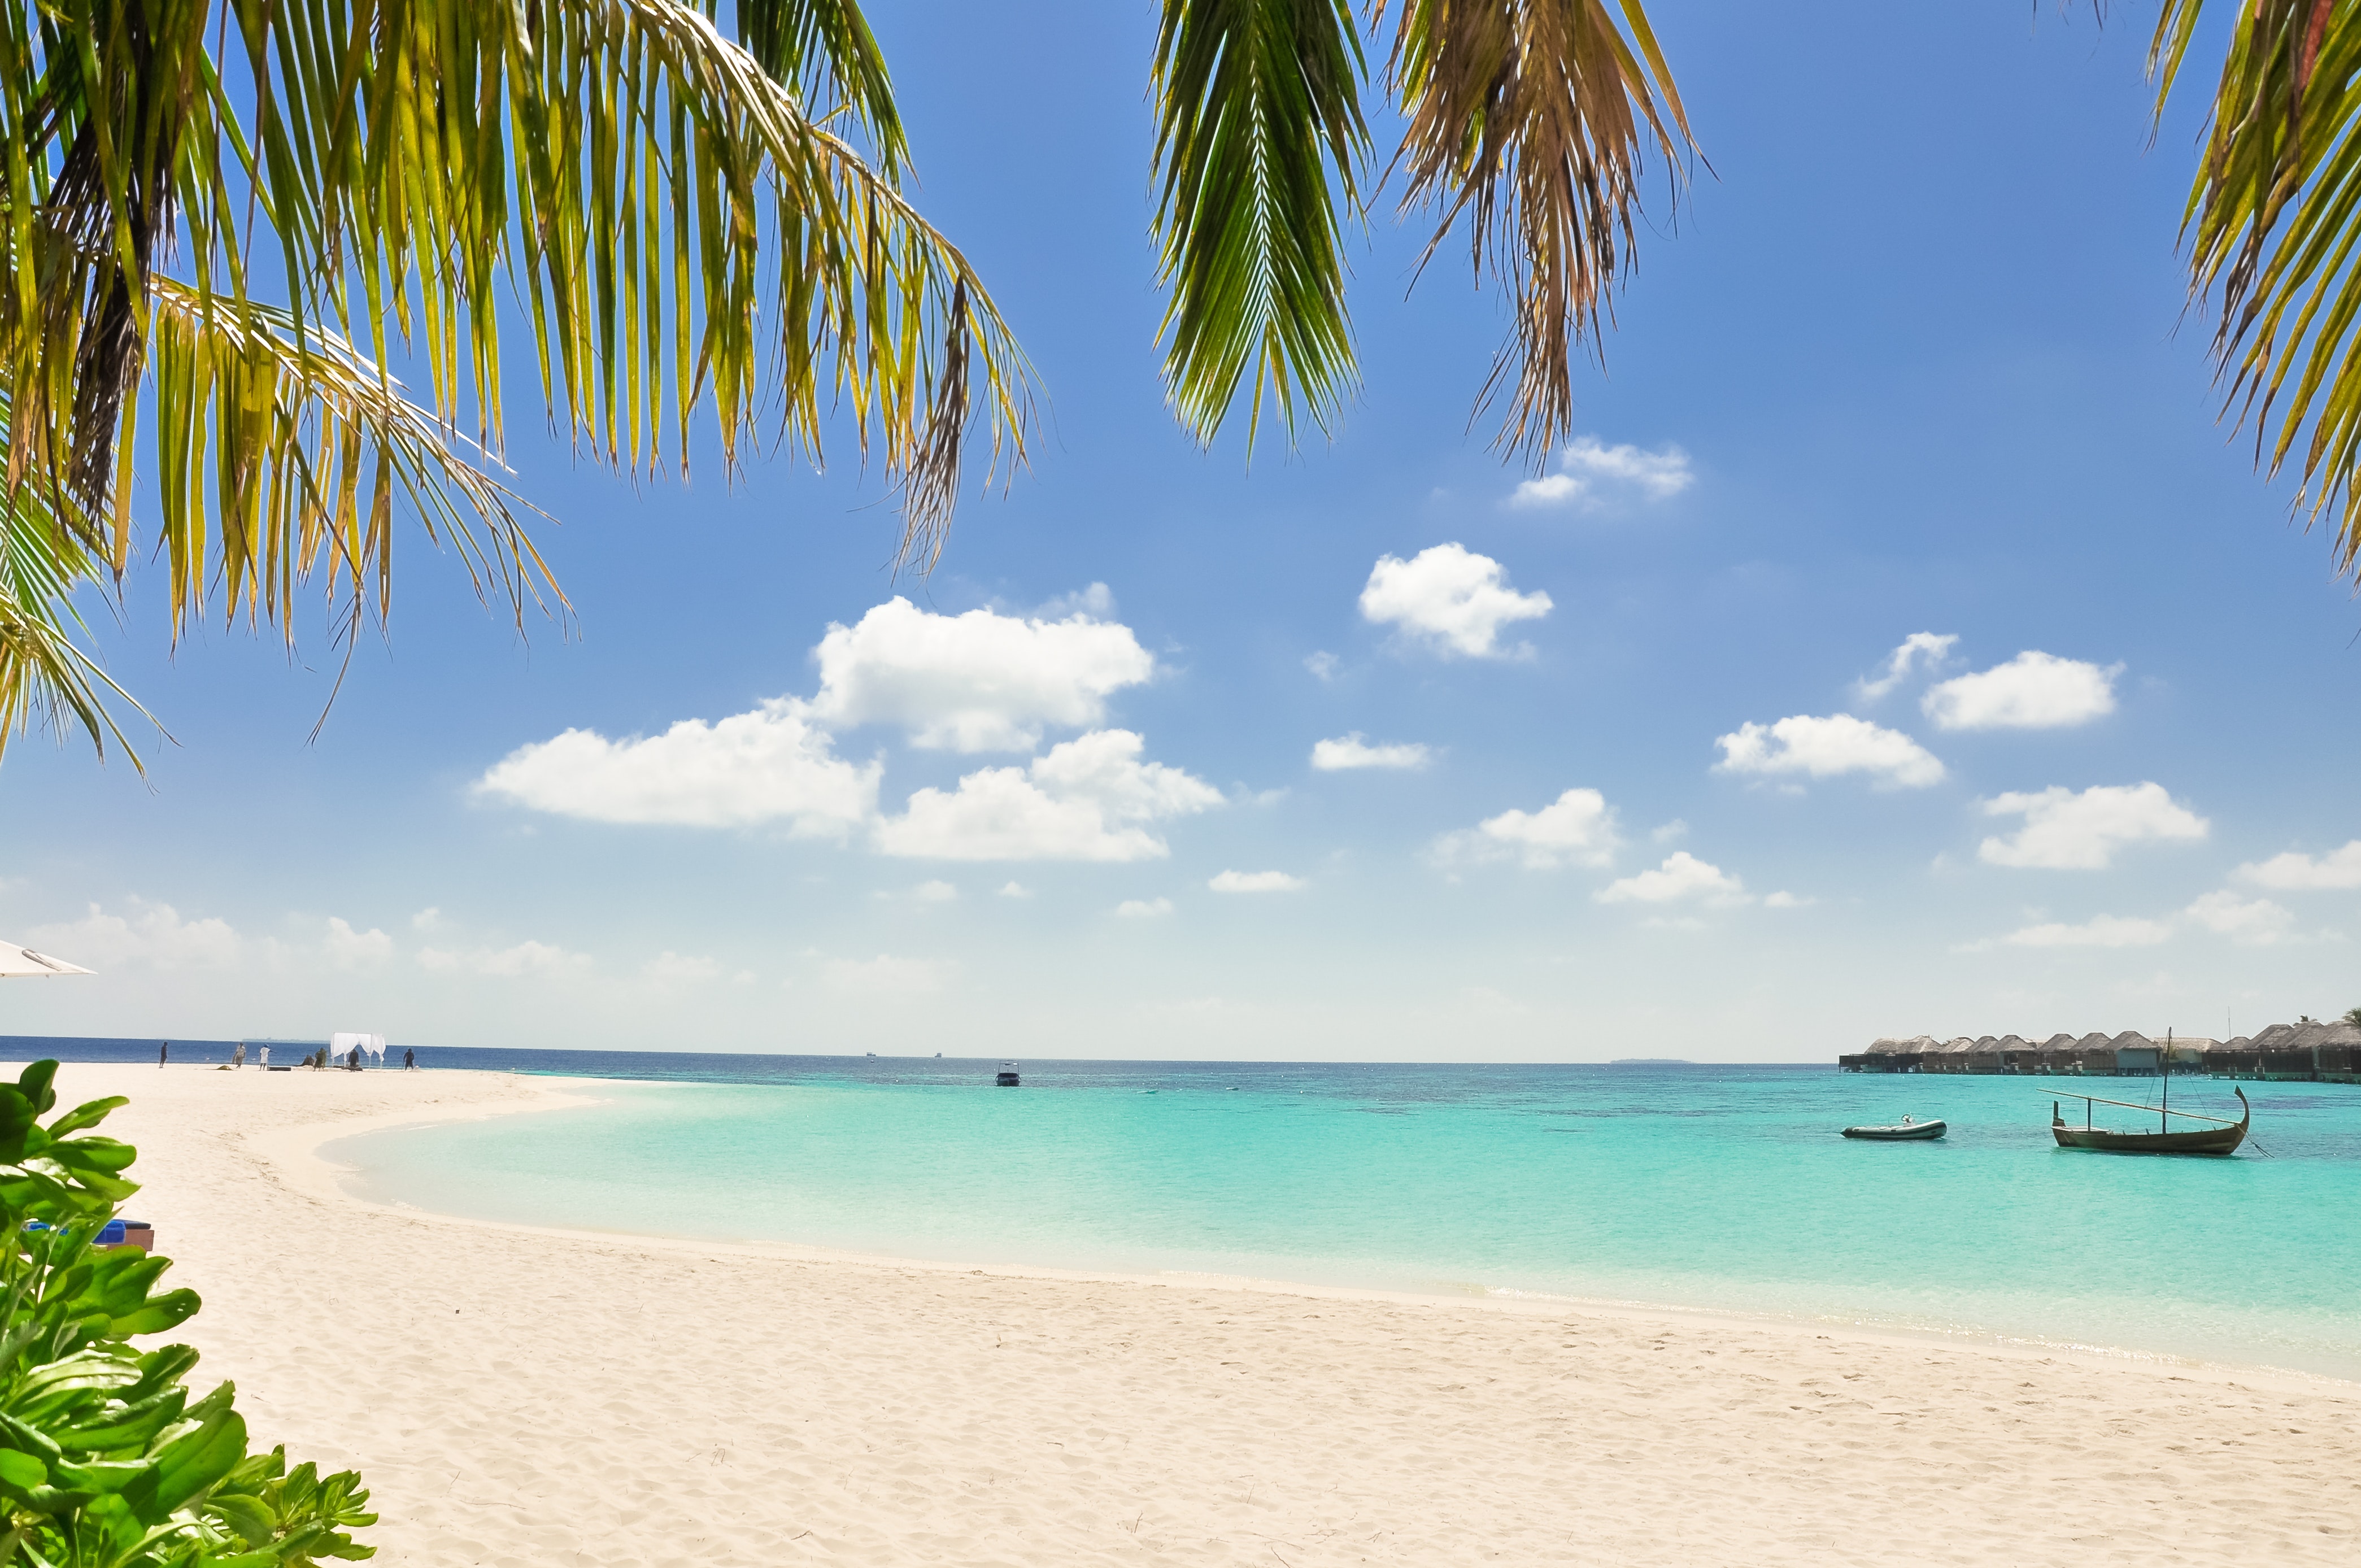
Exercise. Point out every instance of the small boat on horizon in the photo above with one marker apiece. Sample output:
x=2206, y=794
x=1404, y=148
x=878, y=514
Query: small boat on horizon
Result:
x=1902, y=1132
x=1006, y=1077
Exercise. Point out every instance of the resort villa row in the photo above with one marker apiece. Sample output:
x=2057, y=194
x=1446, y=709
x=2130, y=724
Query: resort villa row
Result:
x=2284, y=1052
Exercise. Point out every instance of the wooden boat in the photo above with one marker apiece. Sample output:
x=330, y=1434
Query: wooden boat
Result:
x=1902, y=1132
x=2221, y=1136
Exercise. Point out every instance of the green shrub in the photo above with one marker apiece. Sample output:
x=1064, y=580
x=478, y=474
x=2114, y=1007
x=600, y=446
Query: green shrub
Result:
x=105, y=1461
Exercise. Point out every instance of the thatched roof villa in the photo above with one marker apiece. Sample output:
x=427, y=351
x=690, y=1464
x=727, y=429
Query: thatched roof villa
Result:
x=2306, y=1051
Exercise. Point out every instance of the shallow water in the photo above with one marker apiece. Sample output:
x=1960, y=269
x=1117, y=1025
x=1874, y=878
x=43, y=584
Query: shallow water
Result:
x=1721, y=1187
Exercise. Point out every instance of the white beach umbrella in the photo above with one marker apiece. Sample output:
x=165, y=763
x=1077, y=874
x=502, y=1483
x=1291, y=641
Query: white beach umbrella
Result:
x=22, y=963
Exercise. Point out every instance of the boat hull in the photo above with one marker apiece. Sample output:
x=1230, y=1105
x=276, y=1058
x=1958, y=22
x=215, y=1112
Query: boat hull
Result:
x=2212, y=1140
x=1913, y=1132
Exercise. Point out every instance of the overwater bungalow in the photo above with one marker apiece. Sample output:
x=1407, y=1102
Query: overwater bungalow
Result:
x=2094, y=1055
x=2284, y=1052
x=2136, y=1055
x=2019, y=1055
x=2058, y=1054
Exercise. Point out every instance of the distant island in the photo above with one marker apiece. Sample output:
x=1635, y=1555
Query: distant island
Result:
x=1651, y=1061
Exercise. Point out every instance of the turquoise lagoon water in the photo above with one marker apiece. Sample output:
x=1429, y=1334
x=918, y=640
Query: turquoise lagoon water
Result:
x=1723, y=1188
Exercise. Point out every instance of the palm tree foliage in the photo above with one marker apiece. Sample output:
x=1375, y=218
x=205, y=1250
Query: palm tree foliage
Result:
x=226, y=219
x=2273, y=219
x=1525, y=119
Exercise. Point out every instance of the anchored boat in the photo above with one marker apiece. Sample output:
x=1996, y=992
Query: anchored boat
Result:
x=2221, y=1136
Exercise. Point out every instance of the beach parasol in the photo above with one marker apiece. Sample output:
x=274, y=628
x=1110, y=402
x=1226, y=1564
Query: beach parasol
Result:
x=22, y=963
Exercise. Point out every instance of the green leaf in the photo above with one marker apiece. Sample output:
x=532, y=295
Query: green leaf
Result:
x=1259, y=142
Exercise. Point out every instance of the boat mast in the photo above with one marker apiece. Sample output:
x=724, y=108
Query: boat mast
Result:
x=2167, y=1108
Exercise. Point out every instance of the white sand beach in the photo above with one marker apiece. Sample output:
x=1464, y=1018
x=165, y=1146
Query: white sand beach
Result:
x=529, y=1398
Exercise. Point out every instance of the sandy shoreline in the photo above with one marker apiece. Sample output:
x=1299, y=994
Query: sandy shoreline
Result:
x=533, y=1396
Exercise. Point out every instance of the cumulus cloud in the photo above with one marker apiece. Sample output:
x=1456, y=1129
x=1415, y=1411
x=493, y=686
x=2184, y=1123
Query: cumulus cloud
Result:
x=1087, y=799
x=524, y=960
x=1576, y=828
x=1351, y=752
x=1255, y=881
x=936, y=891
x=771, y=765
x=2101, y=931
x=150, y=936
x=977, y=682
x=1451, y=599
x=346, y=949
x=2336, y=870
x=1920, y=650
x=1823, y=748
x=1014, y=890
x=1323, y=664
x=1588, y=468
x=1784, y=900
x=1682, y=876
x=1143, y=908
x=2252, y=923
x=2033, y=691
x=2067, y=830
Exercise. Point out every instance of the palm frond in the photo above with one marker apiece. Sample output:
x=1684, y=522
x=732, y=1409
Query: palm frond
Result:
x=1530, y=120
x=2272, y=222
x=1259, y=140
x=824, y=49
x=279, y=459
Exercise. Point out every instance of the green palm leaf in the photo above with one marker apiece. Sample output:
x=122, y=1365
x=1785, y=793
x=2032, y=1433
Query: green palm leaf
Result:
x=1260, y=137
x=686, y=236
x=2272, y=222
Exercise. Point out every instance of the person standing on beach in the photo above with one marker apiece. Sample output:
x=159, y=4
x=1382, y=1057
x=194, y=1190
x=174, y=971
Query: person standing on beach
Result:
x=237, y=1057
x=409, y=1062
x=163, y=1049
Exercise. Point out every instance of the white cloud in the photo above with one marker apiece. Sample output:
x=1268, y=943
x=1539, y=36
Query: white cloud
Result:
x=2066, y=830
x=1682, y=875
x=1784, y=900
x=1086, y=800
x=1351, y=752
x=936, y=891
x=1578, y=828
x=1144, y=908
x=977, y=682
x=2101, y=931
x=2252, y=923
x=1454, y=599
x=1822, y=748
x=2033, y=691
x=773, y=764
x=886, y=975
x=534, y=960
x=346, y=949
x=1256, y=881
x=1321, y=663
x=1097, y=602
x=426, y=919
x=2293, y=872
x=669, y=968
x=1920, y=650
x=1014, y=890
x=152, y=936
x=1589, y=466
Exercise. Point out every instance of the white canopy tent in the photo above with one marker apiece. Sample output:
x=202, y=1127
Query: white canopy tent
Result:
x=22, y=964
x=342, y=1045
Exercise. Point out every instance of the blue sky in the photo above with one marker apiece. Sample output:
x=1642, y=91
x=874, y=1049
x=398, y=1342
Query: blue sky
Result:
x=1911, y=359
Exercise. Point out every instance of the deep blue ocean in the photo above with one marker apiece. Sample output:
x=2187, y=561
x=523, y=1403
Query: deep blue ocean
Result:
x=1722, y=1187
